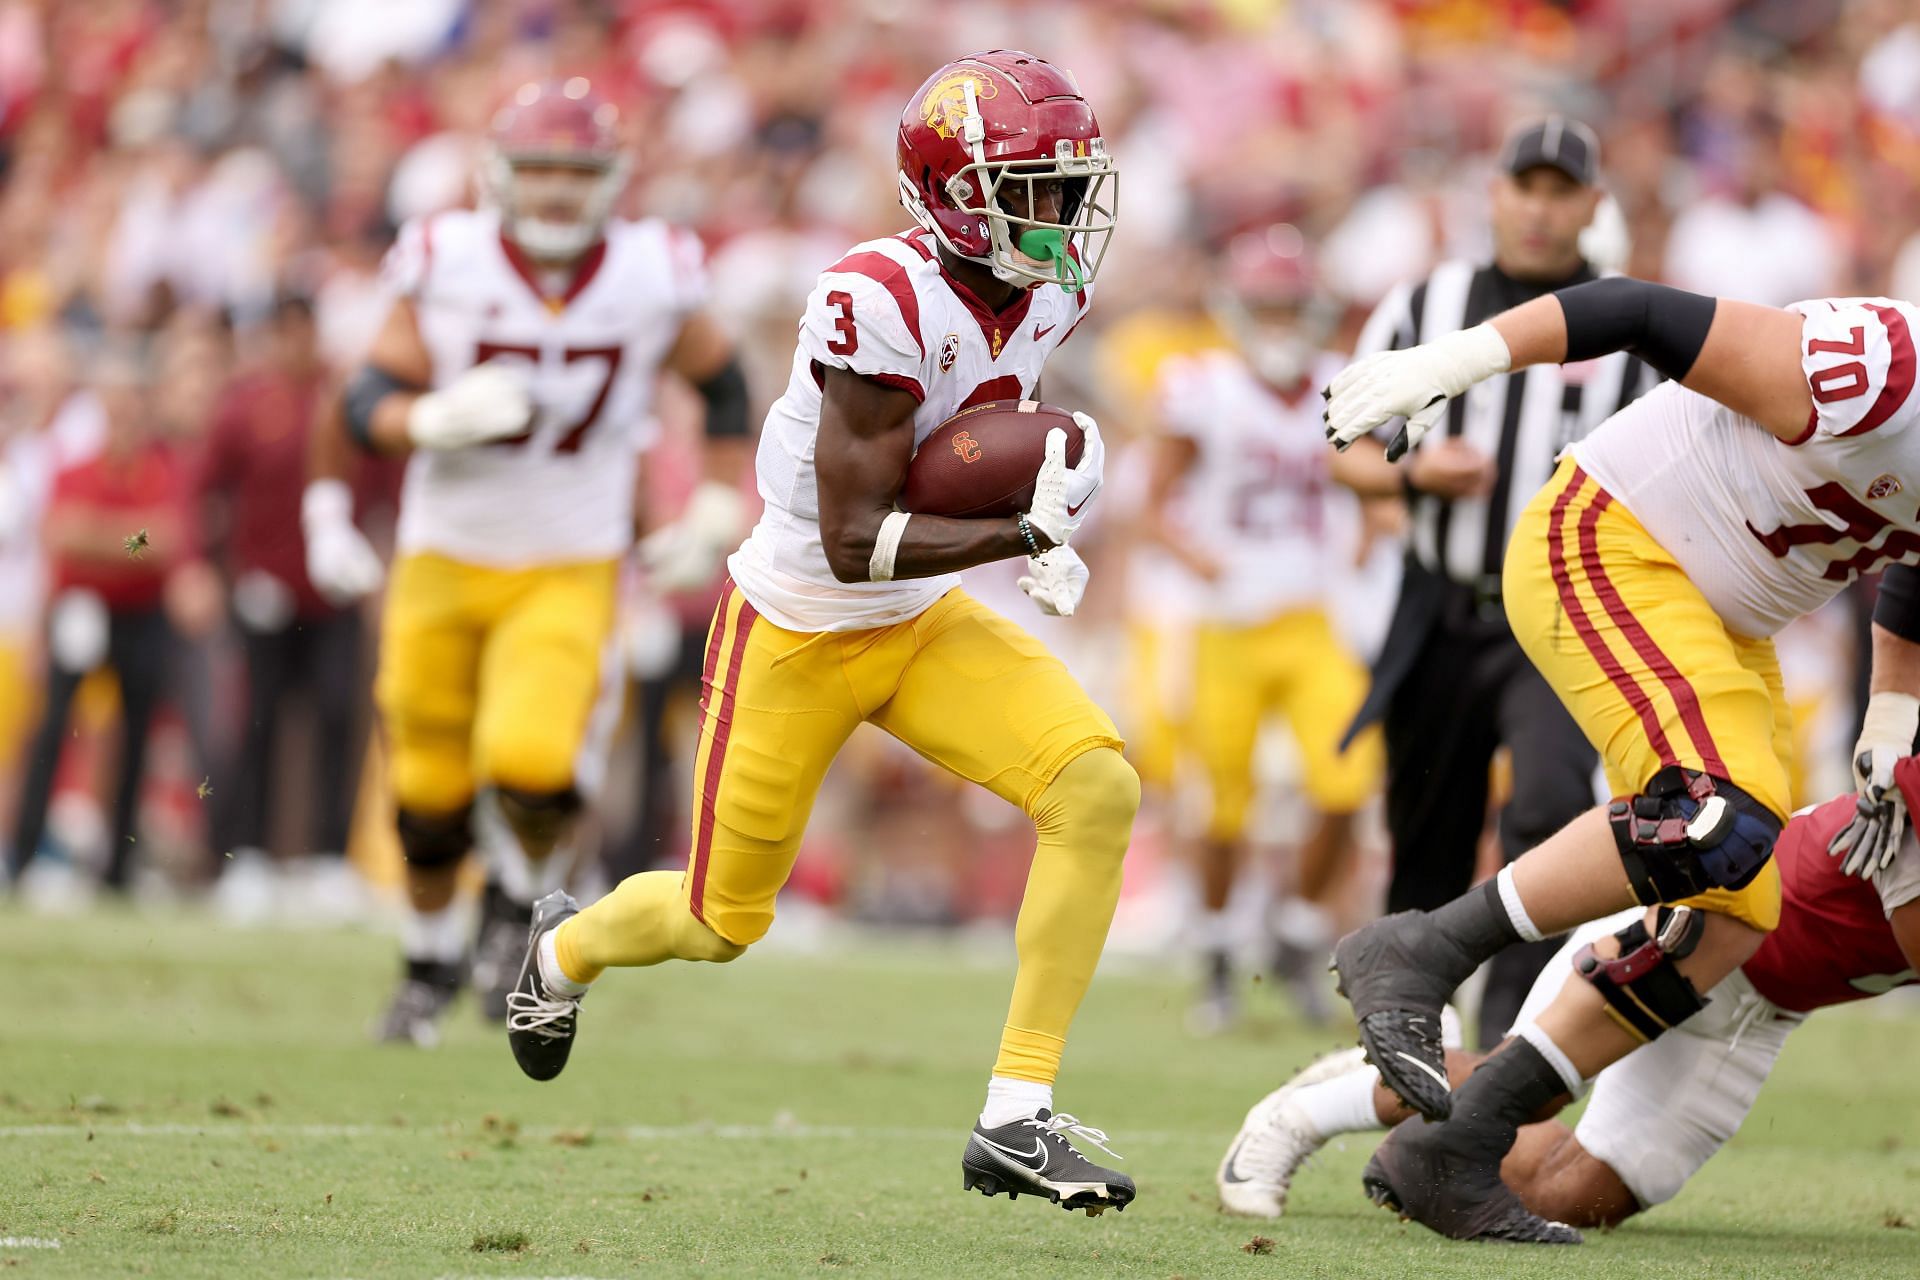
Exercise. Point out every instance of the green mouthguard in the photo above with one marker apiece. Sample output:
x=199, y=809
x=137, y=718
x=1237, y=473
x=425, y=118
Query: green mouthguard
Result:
x=1049, y=244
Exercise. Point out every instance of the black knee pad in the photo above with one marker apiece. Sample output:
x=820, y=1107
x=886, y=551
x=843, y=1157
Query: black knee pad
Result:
x=1689, y=832
x=538, y=813
x=1644, y=992
x=432, y=840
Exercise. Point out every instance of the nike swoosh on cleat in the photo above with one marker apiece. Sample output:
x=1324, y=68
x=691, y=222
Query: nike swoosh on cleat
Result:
x=1038, y=1154
x=1401, y=1053
x=1227, y=1171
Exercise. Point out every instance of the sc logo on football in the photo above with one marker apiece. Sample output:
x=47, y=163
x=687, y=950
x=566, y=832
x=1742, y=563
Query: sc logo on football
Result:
x=966, y=446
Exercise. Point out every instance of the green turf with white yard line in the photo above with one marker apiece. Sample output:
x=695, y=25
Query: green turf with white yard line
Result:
x=176, y=1100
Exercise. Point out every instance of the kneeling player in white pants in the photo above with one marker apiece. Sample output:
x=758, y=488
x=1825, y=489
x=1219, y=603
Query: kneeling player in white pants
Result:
x=1661, y=1113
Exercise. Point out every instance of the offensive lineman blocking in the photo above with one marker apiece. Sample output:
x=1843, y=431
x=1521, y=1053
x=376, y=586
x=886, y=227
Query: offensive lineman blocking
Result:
x=1648, y=575
x=841, y=609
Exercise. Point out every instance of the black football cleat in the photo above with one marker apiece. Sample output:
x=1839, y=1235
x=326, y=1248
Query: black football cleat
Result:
x=1398, y=973
x=541, y=1023
x=1447, y=1177
x=1032, y=1157
x=497, y=950
x=419, y=1002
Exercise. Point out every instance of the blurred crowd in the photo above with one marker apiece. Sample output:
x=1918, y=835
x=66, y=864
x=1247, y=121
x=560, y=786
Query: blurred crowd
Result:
x=195, y=196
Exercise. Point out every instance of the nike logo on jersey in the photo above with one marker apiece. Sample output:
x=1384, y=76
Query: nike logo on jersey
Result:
x=1035, y=1159
x=1039, y=333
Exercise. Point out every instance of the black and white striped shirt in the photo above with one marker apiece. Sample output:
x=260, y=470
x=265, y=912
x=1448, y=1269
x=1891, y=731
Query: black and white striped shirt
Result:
x=1522, y=420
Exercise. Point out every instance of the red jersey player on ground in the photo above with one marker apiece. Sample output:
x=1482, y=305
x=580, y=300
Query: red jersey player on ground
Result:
x=842, y=609
x=1660, y=1113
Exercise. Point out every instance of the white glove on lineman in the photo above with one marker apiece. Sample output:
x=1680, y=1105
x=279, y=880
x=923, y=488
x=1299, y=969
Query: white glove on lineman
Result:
x=1869, y=842
x=1056, y=580
x=687, y=553
x=341, y=563
x=487, y=402
x=1415, y=384
x=1061, y=493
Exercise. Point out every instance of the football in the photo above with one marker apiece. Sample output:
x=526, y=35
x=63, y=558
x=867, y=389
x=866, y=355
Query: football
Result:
x=982, y=461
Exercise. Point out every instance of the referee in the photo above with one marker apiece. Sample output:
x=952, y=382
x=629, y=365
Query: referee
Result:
x=1450, y=672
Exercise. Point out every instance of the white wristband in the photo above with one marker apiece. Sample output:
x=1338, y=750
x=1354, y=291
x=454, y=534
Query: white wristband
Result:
x=886, y=545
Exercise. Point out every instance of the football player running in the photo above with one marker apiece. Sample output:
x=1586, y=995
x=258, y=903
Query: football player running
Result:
x=1241, y=498
x=516, y=367
x=841, y=609
x=1664, y=1110
x=1644, y=582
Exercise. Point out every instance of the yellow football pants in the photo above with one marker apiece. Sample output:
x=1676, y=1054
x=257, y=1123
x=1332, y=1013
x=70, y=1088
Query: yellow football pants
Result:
x=489, y=675
x=1296, y=665
x=1648, y=669
x=959, y=684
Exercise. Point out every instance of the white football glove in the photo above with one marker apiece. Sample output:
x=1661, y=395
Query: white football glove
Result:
x=687, y=553
x=1869, y=842
x=341, y=563
x=1056, y=580
x=1061, y=493
x=488, y=402
x=1415, y=384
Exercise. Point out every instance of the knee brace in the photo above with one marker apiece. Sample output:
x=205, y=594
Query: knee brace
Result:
x=1689, y=832
x=1645, y=994
x=538, y=815
x=433, y=840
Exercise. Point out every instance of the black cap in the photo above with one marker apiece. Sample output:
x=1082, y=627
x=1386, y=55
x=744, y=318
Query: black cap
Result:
x=1559, y=143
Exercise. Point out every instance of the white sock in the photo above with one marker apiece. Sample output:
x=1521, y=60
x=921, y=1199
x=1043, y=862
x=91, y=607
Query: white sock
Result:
x=1559, y=1061
x=507, y=861
x=437, y=936
x=1303, y=924
x=552, y=976
x=1516, y=910
x=1009, y=1100
x=1343, y=1104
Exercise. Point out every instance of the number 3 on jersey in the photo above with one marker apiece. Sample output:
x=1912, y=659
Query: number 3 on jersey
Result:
x=846, y=339
x=576, y=433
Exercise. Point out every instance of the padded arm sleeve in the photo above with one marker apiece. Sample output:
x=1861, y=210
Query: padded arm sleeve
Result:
x=1665, y=327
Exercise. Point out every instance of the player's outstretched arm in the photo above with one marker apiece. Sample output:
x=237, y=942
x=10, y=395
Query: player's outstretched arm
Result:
x=1746, y=357
x=860, y=458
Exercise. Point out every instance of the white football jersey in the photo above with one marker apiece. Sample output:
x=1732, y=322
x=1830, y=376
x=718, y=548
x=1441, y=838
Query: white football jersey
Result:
x=1769, y=529
x=889, y=312
x=592, y=348
x=1259, y=497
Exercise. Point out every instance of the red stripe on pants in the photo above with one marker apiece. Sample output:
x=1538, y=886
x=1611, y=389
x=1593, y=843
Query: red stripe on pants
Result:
x=722, y=713
x=1589, y=636
x=1677, y=685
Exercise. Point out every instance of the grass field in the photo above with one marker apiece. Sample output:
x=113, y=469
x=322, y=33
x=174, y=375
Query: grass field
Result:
x=177, y=1101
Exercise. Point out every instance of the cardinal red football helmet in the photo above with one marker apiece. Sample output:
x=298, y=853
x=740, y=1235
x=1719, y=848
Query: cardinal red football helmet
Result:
x=1270, y=300
x=553, y=144
x=982, y=125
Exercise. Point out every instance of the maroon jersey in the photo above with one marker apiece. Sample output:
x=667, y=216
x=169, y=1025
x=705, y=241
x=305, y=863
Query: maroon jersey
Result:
x=1834, y=943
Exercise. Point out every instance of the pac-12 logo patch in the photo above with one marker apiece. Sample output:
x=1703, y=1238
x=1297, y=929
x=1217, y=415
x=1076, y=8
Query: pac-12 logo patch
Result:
x=1883, y=487
x=949, y=352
